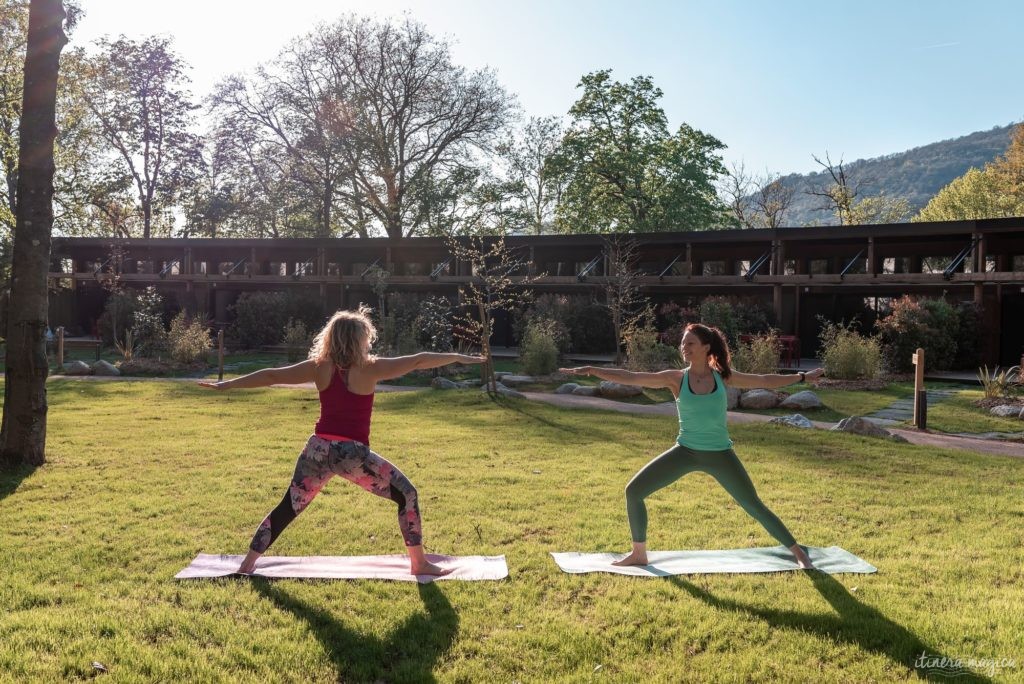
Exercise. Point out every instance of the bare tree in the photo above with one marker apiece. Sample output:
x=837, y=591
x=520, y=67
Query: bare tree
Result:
x=501, y=281
x=369, y=110
x=772, y=200
x=736, y=187
x=137, y=94
x=623, y=298
x=839, y=195
x=23, y=432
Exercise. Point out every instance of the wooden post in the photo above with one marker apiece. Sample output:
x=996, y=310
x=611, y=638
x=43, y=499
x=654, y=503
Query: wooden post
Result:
x=220, y=355
x=920, y=395
x=60, y=347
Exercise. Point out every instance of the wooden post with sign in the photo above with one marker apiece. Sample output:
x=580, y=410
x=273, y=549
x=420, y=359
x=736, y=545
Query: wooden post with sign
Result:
x=920, y=395
x=220, y=355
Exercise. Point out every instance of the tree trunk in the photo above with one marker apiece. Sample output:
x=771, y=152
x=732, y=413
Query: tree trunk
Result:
x=23, y=433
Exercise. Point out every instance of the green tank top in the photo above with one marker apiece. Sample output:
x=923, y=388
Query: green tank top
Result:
x=702, y=417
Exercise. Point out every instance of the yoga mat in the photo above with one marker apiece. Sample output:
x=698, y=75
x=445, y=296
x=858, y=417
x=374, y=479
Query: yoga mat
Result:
x=832, y=560
x=394, y=567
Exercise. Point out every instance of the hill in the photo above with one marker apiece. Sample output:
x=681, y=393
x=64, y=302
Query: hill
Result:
x=916, y=174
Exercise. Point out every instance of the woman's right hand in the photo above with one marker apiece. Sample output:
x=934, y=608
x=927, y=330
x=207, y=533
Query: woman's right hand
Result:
x=210, y=384
x=580, y=370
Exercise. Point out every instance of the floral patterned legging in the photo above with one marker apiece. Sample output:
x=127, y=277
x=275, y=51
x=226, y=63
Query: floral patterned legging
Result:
x=319, y=462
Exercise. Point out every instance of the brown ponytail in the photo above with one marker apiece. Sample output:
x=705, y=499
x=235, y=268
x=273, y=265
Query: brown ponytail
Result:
x=718, y=354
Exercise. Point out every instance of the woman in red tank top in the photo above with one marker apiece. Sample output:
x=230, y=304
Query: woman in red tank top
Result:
x=345, y=374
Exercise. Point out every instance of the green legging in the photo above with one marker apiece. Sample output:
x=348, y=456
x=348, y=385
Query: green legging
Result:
x=724, y=466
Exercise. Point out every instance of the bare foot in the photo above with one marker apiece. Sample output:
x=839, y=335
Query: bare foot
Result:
x=801, y=557
x=429, y=568
x=632, y=559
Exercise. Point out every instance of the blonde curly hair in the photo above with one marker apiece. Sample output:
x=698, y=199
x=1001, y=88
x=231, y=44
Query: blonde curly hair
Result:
x=344, y=339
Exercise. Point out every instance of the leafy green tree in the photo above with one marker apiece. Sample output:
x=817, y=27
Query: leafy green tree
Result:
x=992, y=192
x=528, y=160
x=627, y=172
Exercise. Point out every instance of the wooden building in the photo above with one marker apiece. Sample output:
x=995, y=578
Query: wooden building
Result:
x=800, y=272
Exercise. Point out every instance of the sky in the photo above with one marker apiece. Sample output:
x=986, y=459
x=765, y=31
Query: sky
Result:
x=776, y=82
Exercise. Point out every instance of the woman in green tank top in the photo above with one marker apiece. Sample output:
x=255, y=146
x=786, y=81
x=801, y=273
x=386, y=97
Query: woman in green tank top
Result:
x=703, y=443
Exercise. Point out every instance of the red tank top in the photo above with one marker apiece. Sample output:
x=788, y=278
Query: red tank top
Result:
x=344, y=414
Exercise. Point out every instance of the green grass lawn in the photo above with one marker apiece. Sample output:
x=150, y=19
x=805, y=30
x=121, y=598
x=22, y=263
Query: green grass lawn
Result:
x=143, y=475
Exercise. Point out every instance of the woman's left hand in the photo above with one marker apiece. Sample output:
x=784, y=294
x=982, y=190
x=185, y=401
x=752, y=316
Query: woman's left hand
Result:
x=210, y=384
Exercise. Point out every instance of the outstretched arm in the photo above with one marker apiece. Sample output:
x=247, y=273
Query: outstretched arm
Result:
x=387, y=368
x=666, y=379
x=771, y=381
x=286, y=375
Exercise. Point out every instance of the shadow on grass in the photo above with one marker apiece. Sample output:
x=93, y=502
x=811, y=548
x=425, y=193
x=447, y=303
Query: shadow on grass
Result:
x=11, y=477
x=409, y=653
x=855, y=623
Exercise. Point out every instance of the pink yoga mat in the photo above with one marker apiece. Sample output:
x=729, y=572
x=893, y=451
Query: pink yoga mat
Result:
x=393, y=567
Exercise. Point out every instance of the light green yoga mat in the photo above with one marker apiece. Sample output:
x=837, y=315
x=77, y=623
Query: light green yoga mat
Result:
x=832, y=560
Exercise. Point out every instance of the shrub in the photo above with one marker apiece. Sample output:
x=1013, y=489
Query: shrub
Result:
x=297, y=339
x=673, y=319
x=433, y=324
x=148, y=332
x=929, y=324
x=538, y=349
x=118, y=315
x=719, y=313
x=760, y=356
x=1000, y=384
x=189, y=340
x=260, y=316
x=585, y=326
x=968, y=342
x=644, y=352
x=846, y=355
x=752, y=316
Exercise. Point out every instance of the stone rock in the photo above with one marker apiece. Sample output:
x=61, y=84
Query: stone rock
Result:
x=498, y=375
x=614, y=390
x=794, y=420
x=759, y=399
x=733, y=394
x=509, y=392
x=517, y=379
x=802, y=400
x=1005, y=411
x=77, y=368
x=861, y=426
x=585, y=391
x=443, y=383
x=559, y=377
x=567, y=388
x=472, y=382
x=103, y=368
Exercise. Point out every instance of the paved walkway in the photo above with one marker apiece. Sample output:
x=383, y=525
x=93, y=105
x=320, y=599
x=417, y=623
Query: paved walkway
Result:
x=932, y=439
x=937, y=440
x=903, y=409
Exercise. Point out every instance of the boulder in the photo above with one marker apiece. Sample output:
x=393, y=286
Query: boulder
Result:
x=77, y=368
x=585, y=391
x=614, y=390
x=472, y=382
x=733, y=394
x=759, y=399
x=103, y=368
x=862, y=426
x=802, y=400
x=567, y=388
x=793, y=420
x=1005, y=411
x=505, y=391
x=443, y=383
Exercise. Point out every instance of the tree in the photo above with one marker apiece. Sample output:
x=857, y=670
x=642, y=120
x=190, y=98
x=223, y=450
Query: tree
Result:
x=992, y=192
x=626, y=305
x=839, y=195
x=879, y=208
x=736, y=187
x=772, y=200
x=23, y=431
x=626, y=172
x=368, y=111
x=136, y=90
x=529, y=164
x=501, y=281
